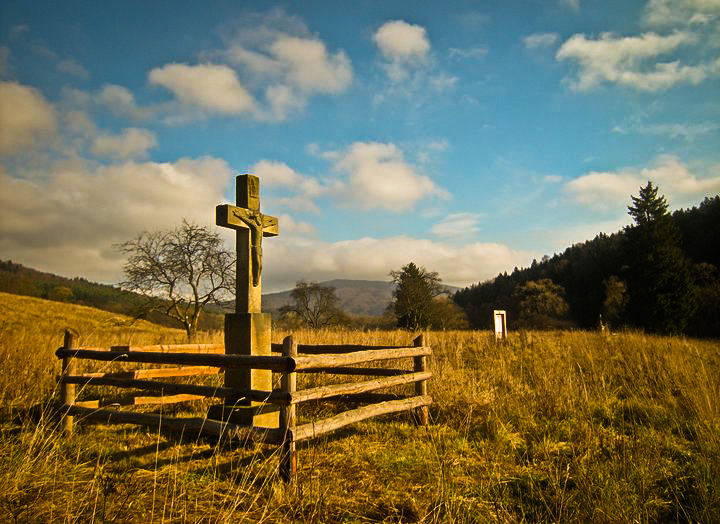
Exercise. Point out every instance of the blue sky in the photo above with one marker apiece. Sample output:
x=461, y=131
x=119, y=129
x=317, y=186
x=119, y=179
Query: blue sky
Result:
x=469, y=137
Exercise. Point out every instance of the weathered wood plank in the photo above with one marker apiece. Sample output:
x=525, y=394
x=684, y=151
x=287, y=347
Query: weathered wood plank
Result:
x=173, y=348
x=67, y=391
x=279, y=364
x=420, y=365
x=356, y=387
x=315, y=429
x=188, y=425
x=137, y=401
x=288, y=460
x=187, y=371
x=172, y=388
x=165, y=399
x=370, y=372
x=319, y=349
x=358, y=357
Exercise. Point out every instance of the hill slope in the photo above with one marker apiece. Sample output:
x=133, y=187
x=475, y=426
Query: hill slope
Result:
x=357, y=297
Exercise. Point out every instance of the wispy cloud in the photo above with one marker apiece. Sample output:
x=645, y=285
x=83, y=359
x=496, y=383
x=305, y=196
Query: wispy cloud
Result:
x=687, y=131
x=457, y=225
x=611, y=190
x=633, y=61
x=540, y=40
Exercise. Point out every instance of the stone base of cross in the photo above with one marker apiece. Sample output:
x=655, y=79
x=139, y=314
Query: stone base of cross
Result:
x=248, y=330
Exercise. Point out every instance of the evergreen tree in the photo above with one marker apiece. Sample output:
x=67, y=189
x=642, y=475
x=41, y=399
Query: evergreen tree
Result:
x=661, y=297
x=415, y=289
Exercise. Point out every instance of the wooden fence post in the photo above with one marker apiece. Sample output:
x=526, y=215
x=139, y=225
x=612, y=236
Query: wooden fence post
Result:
x=67, y=391
x=288, y=459
x=420, y=364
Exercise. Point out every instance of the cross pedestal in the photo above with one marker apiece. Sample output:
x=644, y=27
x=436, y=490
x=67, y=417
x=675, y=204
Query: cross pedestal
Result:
x=248, y=330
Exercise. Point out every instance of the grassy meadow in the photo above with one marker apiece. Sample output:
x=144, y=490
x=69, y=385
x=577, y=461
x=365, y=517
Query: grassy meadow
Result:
x=545, y=427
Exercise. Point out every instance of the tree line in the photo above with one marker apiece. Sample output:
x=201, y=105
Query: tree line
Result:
x=659, y=274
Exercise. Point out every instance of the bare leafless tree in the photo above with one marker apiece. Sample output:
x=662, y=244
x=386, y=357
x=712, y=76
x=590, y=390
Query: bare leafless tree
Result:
x=315, y=305
x=179, y=271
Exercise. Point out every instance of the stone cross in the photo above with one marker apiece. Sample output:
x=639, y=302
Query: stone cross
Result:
x=250, y=227
x=248, y=330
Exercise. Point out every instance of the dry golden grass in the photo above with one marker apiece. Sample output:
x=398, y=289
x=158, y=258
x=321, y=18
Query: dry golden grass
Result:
x=546, y=427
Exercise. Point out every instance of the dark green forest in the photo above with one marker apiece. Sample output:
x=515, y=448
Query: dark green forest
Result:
x=588, y=283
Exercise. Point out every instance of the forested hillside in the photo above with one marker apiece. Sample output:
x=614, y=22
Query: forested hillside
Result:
x=20, y=280
x=591, y=277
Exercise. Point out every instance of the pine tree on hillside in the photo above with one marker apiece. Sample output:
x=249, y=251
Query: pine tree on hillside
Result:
x=660, y=289
x=415, y=289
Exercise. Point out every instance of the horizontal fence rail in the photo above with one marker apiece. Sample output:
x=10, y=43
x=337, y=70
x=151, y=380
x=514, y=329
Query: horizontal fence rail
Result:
x=195, y=360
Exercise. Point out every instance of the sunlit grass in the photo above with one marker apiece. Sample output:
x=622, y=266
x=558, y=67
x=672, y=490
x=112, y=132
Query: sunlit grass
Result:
x=545, y=427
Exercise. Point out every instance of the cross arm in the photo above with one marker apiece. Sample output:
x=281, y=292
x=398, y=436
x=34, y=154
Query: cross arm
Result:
x=227, y=215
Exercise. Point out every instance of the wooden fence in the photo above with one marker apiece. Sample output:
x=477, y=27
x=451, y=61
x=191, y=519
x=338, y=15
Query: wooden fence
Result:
x=190, y=360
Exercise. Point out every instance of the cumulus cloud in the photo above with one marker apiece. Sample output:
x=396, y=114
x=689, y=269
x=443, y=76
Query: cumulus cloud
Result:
x=538, y=40
x=26, y=117
x=379, y=177
x=409, y=64
x=457, y=225
x=311, y=259
x=279, y=58
x=289, y=187
x=663, y=13
x=121, y=102
x=73, y=68
x=611, y=190
x=400, y=41
x=309, y=66
x=632, y=61
x=209, y=87
x=79, y=210
x=130, y=143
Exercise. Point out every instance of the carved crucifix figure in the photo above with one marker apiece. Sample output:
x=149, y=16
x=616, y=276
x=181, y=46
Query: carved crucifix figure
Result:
x=251, y=226
x=254, y=222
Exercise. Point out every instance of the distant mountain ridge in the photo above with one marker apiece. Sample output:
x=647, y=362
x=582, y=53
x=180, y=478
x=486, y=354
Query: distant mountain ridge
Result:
x=357, y=297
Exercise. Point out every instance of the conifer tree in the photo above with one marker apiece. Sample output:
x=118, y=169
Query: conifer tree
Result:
x=660, y=289
x=415, y=289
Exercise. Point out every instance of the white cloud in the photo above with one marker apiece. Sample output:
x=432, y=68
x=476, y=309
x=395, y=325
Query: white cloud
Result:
x=612, y=190
x=289, y=187
x=672, y=130
x=131, y=143
x=400, y=41
x=291, y=259
x=409, y=64
x=572, y=4
x=537, y=40
x=278, y=57
x=121, y=102
x=475, y=53
x=632, y=61
x=457, y=225
x=379, y=177
x=74, y=68
x=26, y=118
x=209, y=87
x=310, y=68
x=663, y=13
x=79, y=211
